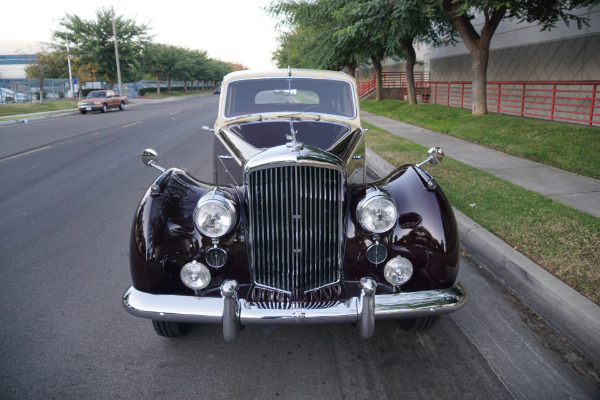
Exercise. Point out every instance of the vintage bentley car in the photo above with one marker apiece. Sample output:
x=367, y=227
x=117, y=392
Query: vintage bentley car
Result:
x=290, y=231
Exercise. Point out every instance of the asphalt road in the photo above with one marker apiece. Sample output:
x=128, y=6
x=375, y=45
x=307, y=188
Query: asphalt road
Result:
x=68, y=191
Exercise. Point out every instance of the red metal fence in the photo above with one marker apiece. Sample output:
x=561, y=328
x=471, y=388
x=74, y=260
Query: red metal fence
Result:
x=566, y=101
x=390, y=80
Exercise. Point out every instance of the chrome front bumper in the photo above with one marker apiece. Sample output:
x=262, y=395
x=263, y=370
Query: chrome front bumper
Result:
x=233, y=312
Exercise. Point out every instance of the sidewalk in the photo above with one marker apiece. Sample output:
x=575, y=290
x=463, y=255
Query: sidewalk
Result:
x=576, y=191
x=569, y=312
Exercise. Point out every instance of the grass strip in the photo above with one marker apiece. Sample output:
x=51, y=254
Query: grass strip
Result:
x=28, y=108
x=562, y=240
x=569, y=147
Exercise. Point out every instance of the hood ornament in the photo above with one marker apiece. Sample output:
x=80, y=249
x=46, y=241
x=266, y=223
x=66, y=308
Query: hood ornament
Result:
x=293, y=143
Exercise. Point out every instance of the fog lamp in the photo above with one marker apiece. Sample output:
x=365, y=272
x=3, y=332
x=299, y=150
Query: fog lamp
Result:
x=398, y=271
x=195, y=275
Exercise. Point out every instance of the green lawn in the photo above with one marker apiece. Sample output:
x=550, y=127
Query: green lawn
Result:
x=569, y=147
x=562, y=240
x=28, y=108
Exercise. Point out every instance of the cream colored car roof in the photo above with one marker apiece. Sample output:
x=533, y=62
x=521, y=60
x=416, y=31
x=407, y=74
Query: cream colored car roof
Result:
x=280, y=73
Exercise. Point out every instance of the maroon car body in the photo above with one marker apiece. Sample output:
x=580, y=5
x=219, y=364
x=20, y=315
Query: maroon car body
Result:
x=290, y=231
x=101, y=100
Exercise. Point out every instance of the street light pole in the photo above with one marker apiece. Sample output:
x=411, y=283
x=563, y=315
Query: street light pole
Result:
x=116, y=50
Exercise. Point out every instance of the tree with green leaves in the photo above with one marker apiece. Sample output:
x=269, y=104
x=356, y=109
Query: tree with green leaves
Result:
x=92, y=42
x=367, y=28
x=47, y=64
x=412, y=22
x=461, y=12
x=311, y=41
x=154, y=63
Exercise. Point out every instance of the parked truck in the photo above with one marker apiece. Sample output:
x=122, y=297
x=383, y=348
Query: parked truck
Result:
x=102, y=100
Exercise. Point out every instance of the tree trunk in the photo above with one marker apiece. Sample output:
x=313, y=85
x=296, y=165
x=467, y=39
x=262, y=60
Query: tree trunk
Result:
x=352, y=69
x=41, y=81
x=479, y=71
x=185, y=82
x=478, y=45
x=411, y=57
x=169, y=84
x=157, y=84
x=111, y=82
x=379, y=78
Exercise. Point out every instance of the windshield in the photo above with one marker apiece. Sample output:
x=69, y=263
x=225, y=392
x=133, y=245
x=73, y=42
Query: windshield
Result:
x=92, y=95
x=321, y=96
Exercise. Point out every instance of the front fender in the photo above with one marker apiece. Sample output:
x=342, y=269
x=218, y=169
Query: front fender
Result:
x=163, y=228
x=426, y=232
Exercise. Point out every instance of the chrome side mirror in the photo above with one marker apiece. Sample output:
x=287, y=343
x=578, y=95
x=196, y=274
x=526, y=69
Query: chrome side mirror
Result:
x=150, y=158
x=435, y=155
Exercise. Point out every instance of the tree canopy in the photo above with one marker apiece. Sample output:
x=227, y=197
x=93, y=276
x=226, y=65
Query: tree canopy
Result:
x=93, y=52
x=92, y=43
x=47, y=65
x=461, y=13
x=337, y=33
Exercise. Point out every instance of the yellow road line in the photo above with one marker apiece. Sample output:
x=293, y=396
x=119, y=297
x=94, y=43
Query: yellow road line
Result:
x=176, y=112
x=24, y=154
x=133, y=123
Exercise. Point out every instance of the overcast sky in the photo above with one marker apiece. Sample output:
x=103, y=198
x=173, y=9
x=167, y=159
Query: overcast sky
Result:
x=230, y=30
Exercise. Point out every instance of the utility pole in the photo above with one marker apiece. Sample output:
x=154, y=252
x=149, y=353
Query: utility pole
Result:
x=69, y=62
x=116, y=50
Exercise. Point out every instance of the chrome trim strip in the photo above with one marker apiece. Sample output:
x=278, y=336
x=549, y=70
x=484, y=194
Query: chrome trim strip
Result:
x=210, y=309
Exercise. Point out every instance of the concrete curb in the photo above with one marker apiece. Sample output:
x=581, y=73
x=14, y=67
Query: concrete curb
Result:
x=569, y=312
x=25, y=119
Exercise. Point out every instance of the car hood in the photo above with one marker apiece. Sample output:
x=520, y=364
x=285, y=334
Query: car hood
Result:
x=246, y=137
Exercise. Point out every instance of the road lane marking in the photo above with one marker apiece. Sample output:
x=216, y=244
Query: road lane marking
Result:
x=133, y=123
x=24, y=154
x=199, y=106
x=176, y=112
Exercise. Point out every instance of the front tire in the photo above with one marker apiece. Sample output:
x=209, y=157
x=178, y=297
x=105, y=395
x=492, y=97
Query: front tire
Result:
x=103, y=108
x=83, y=111
x=418, y=324
x=122, y=106
x=170, y=329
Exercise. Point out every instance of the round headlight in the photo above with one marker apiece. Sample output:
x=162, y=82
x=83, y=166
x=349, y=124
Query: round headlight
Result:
x=214, y=215
x=377, y=212
x=398, y=271
x=195, y=275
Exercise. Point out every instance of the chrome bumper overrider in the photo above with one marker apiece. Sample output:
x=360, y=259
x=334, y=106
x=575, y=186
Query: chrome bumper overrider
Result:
x=233, y=312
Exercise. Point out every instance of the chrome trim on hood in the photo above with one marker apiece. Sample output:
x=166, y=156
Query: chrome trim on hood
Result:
x=282, y=155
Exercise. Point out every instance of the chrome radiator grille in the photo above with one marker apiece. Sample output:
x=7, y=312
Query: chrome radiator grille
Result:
x=295, y=227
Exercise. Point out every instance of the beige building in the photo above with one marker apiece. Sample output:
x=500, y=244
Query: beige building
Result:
x=521, y=52
x=15, y=55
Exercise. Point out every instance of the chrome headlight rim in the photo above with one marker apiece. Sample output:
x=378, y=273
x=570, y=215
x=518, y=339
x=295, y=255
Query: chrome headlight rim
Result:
x=217, y=198
x=370, y=198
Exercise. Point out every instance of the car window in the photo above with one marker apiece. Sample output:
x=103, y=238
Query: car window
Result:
x=91, y=95
x=256, y=96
